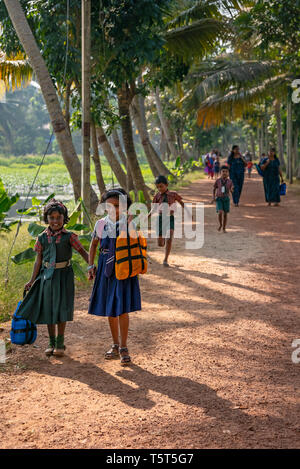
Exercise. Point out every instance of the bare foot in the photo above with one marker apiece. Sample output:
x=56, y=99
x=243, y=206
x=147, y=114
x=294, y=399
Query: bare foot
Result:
x=165, y=264
x=220, y=227
x=224, y=230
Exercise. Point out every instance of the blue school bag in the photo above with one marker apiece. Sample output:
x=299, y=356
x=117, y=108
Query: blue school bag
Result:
x=282, y=188
x=22, y=330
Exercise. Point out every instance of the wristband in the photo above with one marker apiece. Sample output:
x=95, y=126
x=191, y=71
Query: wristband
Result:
x=90, y=267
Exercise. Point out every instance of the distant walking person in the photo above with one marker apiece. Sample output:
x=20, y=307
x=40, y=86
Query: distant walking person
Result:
x=236, y=164
x=271, y=169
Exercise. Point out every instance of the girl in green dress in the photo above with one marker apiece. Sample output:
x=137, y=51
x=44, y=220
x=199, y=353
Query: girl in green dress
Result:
x=50, y=297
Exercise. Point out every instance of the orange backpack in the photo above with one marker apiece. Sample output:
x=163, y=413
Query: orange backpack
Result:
x=131, y=255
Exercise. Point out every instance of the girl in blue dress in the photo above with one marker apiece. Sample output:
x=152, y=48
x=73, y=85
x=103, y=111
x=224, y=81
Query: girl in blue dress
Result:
x=236, y=164
x=111, y=297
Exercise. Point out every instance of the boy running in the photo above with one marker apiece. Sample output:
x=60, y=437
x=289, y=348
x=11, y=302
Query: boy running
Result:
x=222, y=188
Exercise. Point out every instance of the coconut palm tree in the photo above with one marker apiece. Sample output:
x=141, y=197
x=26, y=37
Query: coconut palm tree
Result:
x=58, y=122
x=190, y=34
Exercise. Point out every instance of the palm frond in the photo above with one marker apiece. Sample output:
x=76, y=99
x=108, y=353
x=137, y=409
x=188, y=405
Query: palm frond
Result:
x=15, y=71
x=233, y=105
x=195, y=39
x=202, y=9
x=238, y=74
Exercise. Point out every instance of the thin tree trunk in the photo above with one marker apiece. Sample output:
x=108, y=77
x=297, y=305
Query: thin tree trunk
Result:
x=252, y=145
x=86, y=104
x=143, y=138
x=58, y=122
x=261, y=142
x=295, y=149
x=124, y=112
x=96, y=159
x=117, y=143
x=266, y=135
x=139, y=103
x=163, y=145
x=118, y=147
x=110, y=156
x=289, y=139
x=165, y=125
x=277, y=109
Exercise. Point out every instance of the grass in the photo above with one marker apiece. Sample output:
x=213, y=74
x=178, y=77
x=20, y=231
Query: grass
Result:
x=17, y=174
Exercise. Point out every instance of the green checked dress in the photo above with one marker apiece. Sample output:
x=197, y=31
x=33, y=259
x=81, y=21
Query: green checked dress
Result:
x=51, y=297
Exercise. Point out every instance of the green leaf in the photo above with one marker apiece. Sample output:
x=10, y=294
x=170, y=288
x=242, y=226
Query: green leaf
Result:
x=73, y=219
x=132, y=196
x=141, y=197
x=24, y=257
x=34, y=229
x=26, y=211
x=178, y=162
x=78, y=227
x=51, y=196
x=35, y=201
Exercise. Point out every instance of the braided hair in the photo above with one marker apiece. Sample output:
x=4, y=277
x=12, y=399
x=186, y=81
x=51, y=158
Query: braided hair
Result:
x=55, y=206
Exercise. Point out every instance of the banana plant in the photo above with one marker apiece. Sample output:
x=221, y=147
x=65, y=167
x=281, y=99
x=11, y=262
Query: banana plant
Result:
x=6, y=203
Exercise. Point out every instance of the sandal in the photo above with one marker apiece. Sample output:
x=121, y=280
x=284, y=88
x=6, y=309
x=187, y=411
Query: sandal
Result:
x=113, y=352
x=125, y=359
x=59, y=352
x=51, y=346
x=49, y=351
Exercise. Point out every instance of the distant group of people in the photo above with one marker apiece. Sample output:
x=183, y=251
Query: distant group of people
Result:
x=232, y=178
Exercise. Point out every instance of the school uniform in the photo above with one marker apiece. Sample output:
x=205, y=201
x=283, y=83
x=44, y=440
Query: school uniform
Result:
x=223, y=187
x=110, y=296
x=50, y=300
x=170, y=198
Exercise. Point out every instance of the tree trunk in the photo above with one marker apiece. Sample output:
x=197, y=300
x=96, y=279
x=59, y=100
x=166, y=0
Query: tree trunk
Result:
x=86, y=104
x=261, y=140
x=252, y=145
x=277, y=109
x=129, y=181
x=144, y=139
x=163, y=145
x=96, y=159
x=289, y=122
x=124, y=103
x=58, y=122
x=295, y=149
x=266, y=135
x=110, y=156
x=139, y=103
x=165, y=125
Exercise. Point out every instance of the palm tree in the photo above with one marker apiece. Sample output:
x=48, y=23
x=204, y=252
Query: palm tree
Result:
x=230, y=87
x=190, y=34
x=58, y=122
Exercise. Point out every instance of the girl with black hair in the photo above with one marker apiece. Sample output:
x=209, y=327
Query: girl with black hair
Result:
x=271, y=168
x=50, y=299
x=111, y=297
x=236, y=164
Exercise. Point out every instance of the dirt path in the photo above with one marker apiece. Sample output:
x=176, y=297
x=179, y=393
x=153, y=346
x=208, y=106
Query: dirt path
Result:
x=211, y=349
